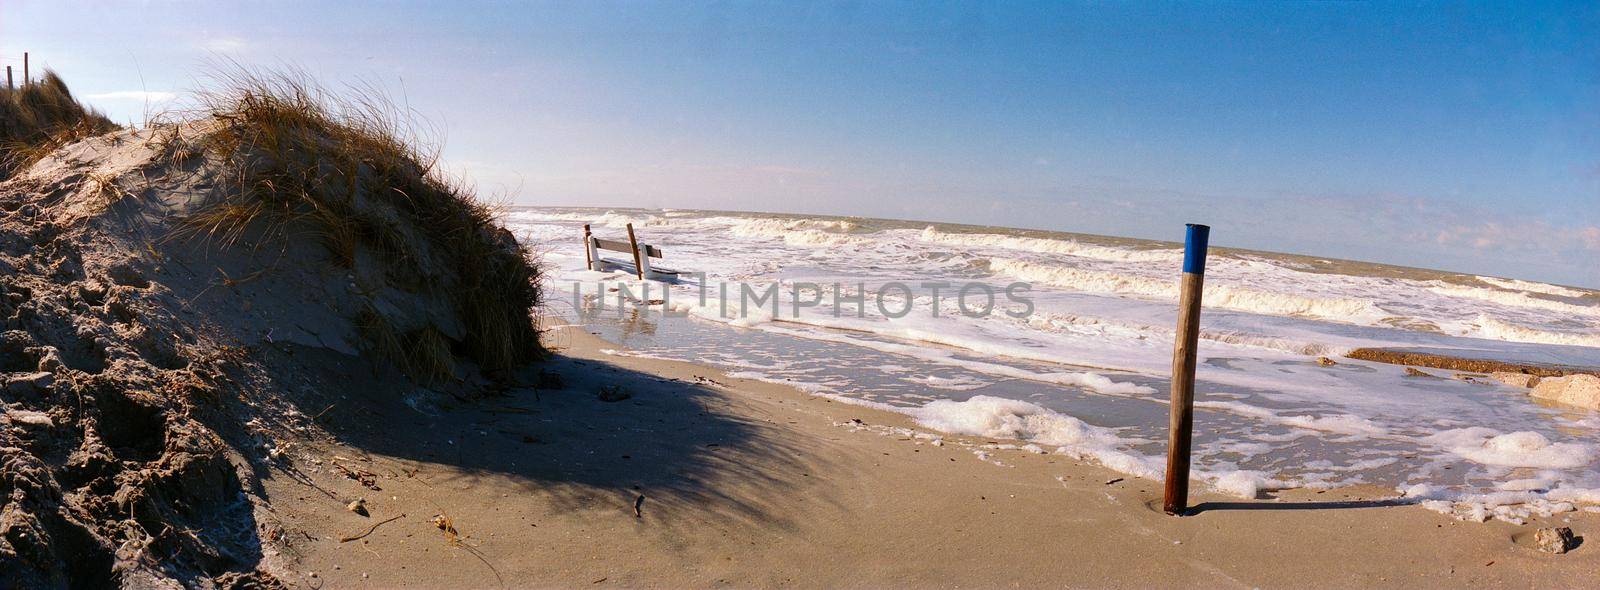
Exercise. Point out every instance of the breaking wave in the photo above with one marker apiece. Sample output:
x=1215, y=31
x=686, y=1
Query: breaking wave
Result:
x=1048, y=246
x=1532, y=287
x=798, y=232
x=1497, y=330
x=1513, y=299
x=1217, y=296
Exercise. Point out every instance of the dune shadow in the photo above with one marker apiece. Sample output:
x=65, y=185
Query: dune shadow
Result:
x=674, y=442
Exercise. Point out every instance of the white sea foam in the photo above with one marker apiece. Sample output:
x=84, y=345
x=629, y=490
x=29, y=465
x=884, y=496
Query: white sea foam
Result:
x=953, y=384
x=1346, y=424
x=1244, y=483
x=1517, y=449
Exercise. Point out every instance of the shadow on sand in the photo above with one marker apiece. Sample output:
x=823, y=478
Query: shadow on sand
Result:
x=673, y=441
x=1335, y=505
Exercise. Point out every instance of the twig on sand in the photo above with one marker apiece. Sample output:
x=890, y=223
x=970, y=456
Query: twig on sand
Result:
x=451, y=535
x=324, y=411
x=372, y=528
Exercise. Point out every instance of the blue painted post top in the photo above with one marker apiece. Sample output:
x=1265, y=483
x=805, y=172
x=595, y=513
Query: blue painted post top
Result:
x=1194, y=248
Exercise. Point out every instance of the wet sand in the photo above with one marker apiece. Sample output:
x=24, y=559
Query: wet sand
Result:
x=1457, y=361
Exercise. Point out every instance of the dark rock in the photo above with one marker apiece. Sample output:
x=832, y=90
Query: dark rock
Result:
x=29, y=384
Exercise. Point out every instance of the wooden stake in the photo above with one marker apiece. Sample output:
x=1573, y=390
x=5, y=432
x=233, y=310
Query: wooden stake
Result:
x=25, y=77
x=9, y=85
x=1184, y=353
x=588, y=244
x=638, y=266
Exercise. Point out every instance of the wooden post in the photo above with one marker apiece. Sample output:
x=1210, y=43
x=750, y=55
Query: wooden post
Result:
x=588, y=248
x=9, y=85
x=638, y=266
x=25, y=77
x=1184, y=353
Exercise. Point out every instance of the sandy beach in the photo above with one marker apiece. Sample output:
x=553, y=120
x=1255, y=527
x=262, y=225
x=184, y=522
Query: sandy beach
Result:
x=753, y=484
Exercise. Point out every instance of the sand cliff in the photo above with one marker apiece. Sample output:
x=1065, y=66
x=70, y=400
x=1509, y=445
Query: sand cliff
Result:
x=171, y=309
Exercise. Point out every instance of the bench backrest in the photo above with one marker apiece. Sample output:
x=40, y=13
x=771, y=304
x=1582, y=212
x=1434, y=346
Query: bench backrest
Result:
x=616, y=246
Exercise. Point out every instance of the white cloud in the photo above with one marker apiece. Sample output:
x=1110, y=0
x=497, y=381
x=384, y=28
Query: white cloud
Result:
x=223, y=44
x=1534, y=236
x=134, y=95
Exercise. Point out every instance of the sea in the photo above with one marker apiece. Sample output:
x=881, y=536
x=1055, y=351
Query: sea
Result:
x=1062, y=343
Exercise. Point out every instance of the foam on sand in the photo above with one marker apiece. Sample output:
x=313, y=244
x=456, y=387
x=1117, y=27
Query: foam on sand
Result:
x=995, y=417
x=1002, y=418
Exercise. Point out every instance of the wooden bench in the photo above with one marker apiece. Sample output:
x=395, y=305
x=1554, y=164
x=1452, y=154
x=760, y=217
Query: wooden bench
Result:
x=642, y=253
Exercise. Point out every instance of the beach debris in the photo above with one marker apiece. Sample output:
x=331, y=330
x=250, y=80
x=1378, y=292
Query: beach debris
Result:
x=358, y=506
x=1555, y=540
x=1325, y=361
x=1579, y=390
x=1113, y=480
x=367, y=479
x=1515, y=379
x=704, y=379
x=374, y=527
x=444, y=523
x=613, y=393
x=1414, y=372
x=638, y=506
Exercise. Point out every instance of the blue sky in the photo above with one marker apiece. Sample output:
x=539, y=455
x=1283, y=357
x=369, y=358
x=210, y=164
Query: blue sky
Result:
x=1456, y=136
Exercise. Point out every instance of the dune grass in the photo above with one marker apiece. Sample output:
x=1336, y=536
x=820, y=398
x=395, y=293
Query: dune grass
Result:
x=352, y=169
x=37, y=118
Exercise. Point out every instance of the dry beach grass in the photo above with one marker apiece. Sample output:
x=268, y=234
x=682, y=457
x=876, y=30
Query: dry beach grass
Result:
x=37, y=118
